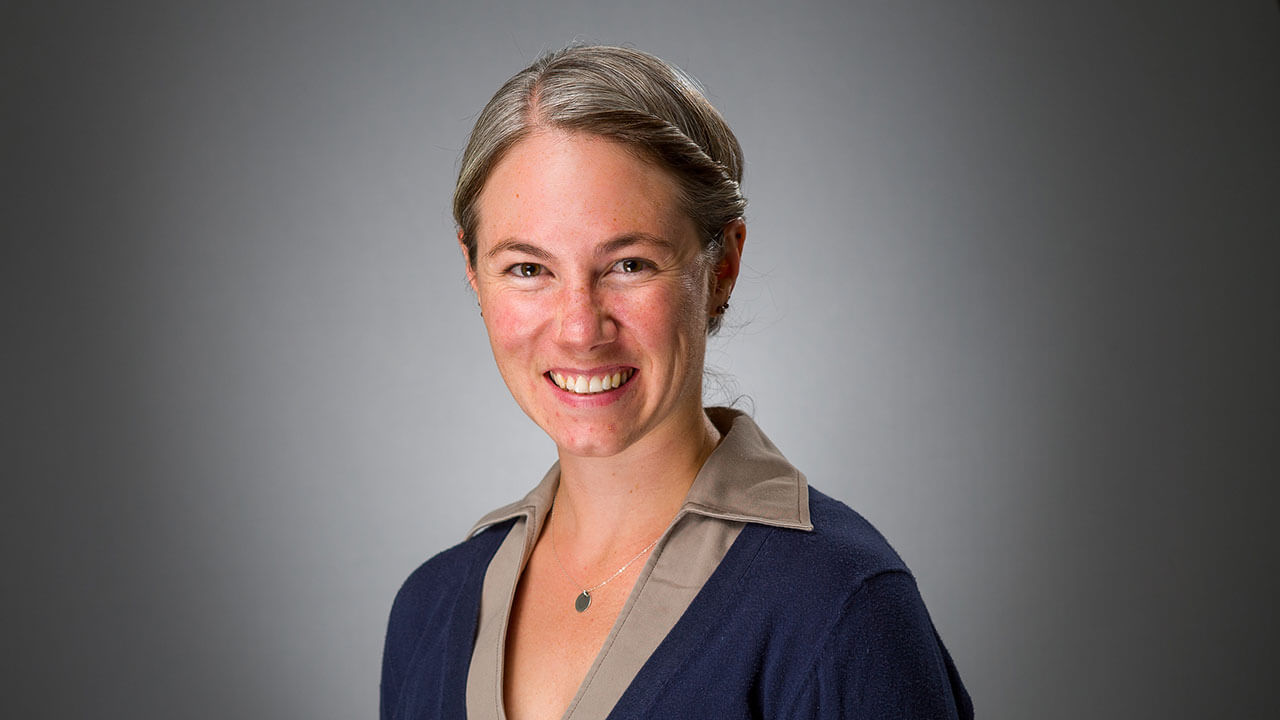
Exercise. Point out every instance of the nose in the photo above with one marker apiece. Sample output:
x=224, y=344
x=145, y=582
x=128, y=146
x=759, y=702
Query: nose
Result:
x=585, y=321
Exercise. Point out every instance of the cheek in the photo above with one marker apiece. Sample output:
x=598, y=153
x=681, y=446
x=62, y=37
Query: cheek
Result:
x=664, y=319
x=511, y=324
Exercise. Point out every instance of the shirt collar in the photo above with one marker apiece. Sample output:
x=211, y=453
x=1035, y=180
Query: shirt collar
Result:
x=745, y=479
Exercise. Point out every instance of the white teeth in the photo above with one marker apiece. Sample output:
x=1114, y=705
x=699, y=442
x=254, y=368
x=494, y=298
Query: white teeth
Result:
x=589, y=385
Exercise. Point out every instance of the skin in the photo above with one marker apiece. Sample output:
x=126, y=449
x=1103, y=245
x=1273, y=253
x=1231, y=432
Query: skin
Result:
x=586, y=264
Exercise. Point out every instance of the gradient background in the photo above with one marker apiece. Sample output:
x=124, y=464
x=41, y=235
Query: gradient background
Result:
x=1011, y=292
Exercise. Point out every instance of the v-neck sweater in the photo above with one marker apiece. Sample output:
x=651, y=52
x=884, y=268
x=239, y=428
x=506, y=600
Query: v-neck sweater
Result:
x=807, y=614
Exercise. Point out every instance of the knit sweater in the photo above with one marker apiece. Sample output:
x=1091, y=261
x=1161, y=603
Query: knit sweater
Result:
x=792, y=624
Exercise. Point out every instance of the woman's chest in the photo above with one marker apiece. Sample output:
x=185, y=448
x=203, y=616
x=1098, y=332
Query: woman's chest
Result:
x=551, y=646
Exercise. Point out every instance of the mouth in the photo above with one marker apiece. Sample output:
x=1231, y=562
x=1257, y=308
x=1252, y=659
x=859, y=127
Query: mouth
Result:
x=591, y=384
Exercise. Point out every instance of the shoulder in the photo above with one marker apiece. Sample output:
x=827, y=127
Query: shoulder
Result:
x=847, y=595
x=433, y=615
x=804, y=581
x=840, y=553
x=883, y=658
x=828, y=620
x=438, y=578
x=429, y=597
x=878, y=650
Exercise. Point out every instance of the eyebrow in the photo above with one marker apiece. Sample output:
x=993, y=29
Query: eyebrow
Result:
x=517, y=246
x=632, y=239
x=619, y=243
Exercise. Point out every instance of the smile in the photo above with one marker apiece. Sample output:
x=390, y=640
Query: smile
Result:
x=591, y=384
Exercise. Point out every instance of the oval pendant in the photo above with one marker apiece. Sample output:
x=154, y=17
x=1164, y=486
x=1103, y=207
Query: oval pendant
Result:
x=583, y=602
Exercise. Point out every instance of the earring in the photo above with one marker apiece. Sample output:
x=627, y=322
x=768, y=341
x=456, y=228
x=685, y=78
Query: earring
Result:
x=722, y=307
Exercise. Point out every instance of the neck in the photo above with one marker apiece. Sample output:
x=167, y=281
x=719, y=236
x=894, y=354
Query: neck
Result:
x=619, y=504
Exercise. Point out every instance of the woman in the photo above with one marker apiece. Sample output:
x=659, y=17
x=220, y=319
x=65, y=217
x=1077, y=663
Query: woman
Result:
x=672, y=563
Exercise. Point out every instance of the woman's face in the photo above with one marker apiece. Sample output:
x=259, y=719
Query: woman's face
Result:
x=595, y=293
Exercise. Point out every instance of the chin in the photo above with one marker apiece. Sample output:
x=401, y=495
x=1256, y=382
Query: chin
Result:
x=589, y=444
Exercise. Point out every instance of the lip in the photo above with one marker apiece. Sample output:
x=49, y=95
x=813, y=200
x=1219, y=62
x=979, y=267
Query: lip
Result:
x=598, y=370
x=598, y=399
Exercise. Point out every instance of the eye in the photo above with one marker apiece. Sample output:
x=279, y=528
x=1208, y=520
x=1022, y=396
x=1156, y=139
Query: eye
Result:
x=525, y=269
x=632, y=265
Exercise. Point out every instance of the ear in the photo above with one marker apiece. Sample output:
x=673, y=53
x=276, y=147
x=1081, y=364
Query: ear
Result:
x=725, y=273
x=466, y=262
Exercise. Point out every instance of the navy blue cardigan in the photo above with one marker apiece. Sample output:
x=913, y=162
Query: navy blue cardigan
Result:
x=792, y=624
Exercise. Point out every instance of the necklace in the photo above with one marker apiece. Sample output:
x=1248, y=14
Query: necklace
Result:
x=583, y=601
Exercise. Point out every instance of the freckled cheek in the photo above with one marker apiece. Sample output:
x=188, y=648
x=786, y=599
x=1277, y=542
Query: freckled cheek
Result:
x=655, y=320
x=512, y=327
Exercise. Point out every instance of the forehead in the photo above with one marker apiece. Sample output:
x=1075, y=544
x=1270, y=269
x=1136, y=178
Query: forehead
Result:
x=556, y=187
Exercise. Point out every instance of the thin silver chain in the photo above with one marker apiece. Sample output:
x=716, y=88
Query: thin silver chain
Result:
x=593, y=588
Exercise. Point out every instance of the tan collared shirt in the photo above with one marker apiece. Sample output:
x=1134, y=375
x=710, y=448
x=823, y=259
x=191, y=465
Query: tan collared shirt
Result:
x=746, y=479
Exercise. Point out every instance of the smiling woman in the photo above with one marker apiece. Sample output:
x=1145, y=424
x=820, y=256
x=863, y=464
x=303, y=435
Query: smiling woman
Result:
x=587, y=267
x=601, y=224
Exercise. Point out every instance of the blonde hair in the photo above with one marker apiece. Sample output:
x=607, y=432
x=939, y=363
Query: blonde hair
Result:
x=627, y=96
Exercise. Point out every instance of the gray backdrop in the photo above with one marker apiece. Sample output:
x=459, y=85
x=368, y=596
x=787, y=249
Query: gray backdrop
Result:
x=1011, y=292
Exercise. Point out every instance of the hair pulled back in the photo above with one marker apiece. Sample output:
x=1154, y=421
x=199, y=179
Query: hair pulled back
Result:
x=627, y=96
